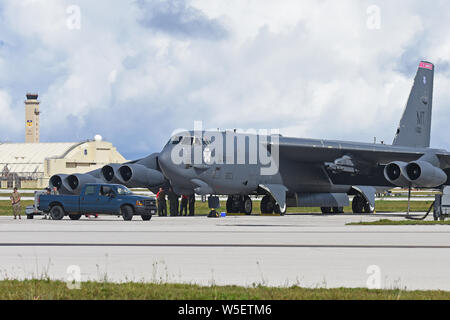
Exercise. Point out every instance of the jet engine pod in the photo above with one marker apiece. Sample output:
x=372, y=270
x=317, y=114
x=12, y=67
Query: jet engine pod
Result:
x=393, y=173
x=139, y=176
x=423, y=174
x=77, y=181
x=59, y=181
x=110, y=173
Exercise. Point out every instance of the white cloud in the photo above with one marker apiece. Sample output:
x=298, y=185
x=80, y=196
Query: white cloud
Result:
x=310, y=68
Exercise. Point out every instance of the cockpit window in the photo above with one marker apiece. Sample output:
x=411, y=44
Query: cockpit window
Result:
x=189, y=141
x=175, y=140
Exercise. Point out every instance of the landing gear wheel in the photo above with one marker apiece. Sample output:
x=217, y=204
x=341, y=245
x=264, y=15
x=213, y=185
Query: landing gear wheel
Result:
x=367, y=208
x=146, y=217
x=127, y=213
x=338, y=210
x=326, y=210
x=279, y=211
x=230, y=205
x=75, y=216
x=358, y=204
x=57, y=213
x=247, y=206
x=267, y=205
x=361, y=205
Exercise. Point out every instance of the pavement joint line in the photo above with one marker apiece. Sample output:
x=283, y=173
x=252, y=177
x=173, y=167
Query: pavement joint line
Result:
x=324, y=246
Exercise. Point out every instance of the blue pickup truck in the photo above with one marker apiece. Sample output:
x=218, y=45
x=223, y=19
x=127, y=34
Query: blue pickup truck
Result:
x=110, y=199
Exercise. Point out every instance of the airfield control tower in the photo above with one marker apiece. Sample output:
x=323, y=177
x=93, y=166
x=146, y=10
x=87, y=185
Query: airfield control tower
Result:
x=32, y=118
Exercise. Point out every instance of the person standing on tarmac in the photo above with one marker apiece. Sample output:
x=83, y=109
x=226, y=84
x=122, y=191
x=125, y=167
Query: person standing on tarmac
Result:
x=46, y=215
x=162, y=206
x=15, y=202
x=173, y=201
x=184, y=205
x=192, y=204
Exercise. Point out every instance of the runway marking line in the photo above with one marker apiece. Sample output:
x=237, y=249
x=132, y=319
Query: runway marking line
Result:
x=220, y=245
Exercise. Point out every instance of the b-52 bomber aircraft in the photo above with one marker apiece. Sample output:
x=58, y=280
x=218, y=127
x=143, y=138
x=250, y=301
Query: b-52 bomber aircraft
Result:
x=290, y=172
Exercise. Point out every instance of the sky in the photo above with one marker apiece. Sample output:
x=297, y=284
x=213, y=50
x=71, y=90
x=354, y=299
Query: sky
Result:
x=134, y=71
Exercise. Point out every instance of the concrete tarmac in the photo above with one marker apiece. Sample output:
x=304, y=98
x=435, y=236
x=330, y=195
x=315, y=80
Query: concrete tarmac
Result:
x=305, y=250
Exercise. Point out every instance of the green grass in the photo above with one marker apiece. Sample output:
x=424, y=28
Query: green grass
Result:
x=55, y=290
x=386, y=222
x=202, y=208
x=6, y=208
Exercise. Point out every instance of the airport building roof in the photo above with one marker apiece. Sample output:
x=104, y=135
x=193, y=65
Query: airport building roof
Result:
x=29, y=157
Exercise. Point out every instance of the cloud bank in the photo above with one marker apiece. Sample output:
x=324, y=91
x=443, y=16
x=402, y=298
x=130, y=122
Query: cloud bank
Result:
x=134, y=71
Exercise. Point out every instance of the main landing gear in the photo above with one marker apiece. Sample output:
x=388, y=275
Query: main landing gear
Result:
x=361, y=205
x=269, y=206
x=239, y=204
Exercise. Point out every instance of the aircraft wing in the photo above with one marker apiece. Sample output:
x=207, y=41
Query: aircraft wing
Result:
x=354, y=163
x=329, y=151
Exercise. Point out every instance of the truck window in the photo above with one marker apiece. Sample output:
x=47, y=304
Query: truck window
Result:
x=90, y=190
x=123, y=190
x=105, y=191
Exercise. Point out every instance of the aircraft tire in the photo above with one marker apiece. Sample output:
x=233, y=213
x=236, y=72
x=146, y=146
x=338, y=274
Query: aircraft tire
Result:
x=359, y=205
x=367, y=208
x=247, y=206
x=127, y=213
x=230, y=208
x=278, y=210
x=267, y=205
x=57, y=212
x=338, y=210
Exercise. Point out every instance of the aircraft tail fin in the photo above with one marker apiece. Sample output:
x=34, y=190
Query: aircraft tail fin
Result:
x=415, y=126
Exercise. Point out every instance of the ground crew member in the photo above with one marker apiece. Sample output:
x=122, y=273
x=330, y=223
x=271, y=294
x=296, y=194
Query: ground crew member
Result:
x=49, y=192
x=184, y=205
x=55, y=191
x=15, y=202
x=192, y=205
x=162, y=206
x=173, y=200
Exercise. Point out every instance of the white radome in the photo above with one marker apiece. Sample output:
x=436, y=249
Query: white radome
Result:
x=98, y=138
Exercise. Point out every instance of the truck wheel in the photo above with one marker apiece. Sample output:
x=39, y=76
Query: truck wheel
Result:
x=57, y=213
x=146, y=217
x=127, y=213
x=75, y=216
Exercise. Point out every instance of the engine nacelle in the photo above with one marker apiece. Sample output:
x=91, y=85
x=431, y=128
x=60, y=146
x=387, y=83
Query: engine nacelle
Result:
x=60, y=182
x=77, y=181
x=394, y=173
x=110, y=173
x=423, y=174
x=139, y=176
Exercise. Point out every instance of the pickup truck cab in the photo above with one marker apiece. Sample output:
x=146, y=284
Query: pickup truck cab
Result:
x=112, y=199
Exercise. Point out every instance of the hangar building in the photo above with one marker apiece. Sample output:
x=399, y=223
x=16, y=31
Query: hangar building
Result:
x=31, y=164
